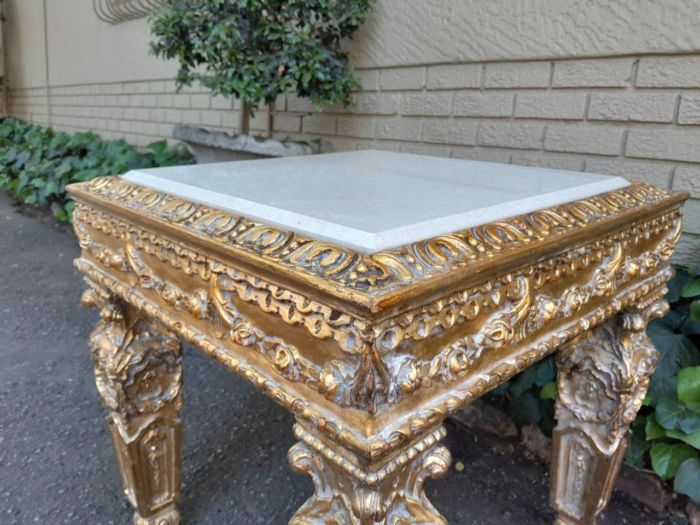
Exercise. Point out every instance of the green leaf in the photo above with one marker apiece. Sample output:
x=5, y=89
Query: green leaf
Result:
x=524, y=381
x=549, y=391
x=526, y=409
x=695, y=311
x=691, y=289
x=688, y=479
x=669, y=413
x=634, y=455
x=693, y=439
x=653, y=430
x=666, y=458
x=689, y=385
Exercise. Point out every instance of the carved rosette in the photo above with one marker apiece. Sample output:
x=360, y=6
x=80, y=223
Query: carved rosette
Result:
x=351, y=491
x=138, y=373
x=603, y=379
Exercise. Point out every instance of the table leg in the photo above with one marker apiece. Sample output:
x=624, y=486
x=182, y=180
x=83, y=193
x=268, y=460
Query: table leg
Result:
x=603, y=379
x=138, y=372
x=354, y=491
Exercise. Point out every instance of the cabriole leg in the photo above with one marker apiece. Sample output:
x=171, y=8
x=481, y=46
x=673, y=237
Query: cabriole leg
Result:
x=138, y=372
x=603, y=379
x=351, y=491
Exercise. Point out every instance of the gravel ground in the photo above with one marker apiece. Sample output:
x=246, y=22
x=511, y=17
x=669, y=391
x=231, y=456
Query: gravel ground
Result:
x=56, y=460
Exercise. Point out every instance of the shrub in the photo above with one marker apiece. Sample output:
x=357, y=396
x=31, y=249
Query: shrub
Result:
x=256, y=50
x=36, y=163
x=666, y=433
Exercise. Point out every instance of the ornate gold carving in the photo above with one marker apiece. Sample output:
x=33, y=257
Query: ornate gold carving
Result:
x=448, y=318
x=352, y=491
x=380, y=272
x=603, y=378
x=376, y=375
x=138, y=373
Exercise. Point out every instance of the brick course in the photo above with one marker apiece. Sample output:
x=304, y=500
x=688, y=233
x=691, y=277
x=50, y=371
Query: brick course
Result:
x=636, y=117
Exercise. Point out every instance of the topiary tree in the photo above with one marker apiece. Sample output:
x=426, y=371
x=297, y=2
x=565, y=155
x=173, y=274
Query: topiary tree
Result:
x=256, y=50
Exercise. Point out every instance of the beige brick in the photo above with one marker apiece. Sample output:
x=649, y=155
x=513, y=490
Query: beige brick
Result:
x=691, y=216
x=331, y=145
x=450, y=131
x=166, y=101
x=377, y=103
x=669, y=71
x=471, y=104
x=289, y=123
x=200, y=101
x=548, y=160
x=173, y=116
x=580, y=138
x=221, y=103
x=182, y=101
x=161, y=86
x=687, y=251
x=427, y=103
x=687, y=178
x=368, y=78
x=230, y=120
x=399, y=128
x=352, y=126
x=425, y=149
x=517, y=74
x=671, y=144
x=634, y=170
x=211, y=118
x=402, y=78
x=454, y=76
x=689, y=110
x=494, y=155
x=318, y=124
x=464, y=152
x=191, y=116
x=550, y=105
x=639, y=107
x=613, y=72
x=508, y=135
x=301, y=105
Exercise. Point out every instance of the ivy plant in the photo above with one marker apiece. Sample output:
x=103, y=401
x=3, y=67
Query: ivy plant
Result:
x=666, y=433
x=257, y=50
x=37, y=163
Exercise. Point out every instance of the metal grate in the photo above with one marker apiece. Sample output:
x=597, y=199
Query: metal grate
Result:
x=116, y=11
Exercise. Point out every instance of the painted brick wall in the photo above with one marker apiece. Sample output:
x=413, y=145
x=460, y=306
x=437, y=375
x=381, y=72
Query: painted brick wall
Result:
x=638, y=117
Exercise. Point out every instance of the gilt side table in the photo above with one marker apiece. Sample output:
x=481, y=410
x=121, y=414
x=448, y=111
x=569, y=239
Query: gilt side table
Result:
x=372, y=294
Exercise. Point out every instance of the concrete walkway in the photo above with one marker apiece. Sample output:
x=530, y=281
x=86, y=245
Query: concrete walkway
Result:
x=56, y=460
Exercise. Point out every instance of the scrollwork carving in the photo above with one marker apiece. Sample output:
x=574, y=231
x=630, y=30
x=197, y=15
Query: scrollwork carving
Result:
x=351, y=491
x=384, y=271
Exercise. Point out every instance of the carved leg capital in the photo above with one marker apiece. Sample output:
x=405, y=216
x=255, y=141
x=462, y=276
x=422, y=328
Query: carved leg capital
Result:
x=352, y=491
x=138, y=373
x=603, y=379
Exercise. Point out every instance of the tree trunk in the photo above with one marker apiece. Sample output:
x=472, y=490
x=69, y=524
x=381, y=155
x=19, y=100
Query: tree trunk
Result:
x=245, y=119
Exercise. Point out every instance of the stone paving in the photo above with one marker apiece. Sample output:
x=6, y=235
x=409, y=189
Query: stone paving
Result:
x=56, y=460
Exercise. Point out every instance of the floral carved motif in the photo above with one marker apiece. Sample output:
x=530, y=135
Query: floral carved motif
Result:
x=603, y=376
x=138, y=373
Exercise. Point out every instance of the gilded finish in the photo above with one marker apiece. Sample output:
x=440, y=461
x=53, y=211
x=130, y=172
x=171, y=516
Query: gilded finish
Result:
x=138, y=372
x=372, y=352
x=603, y=379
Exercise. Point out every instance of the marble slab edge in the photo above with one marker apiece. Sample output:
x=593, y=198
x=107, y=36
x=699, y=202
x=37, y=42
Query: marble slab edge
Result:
x=378, y=285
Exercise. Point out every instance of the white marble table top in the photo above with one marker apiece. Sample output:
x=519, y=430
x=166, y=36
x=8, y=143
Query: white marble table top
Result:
x=373, y=200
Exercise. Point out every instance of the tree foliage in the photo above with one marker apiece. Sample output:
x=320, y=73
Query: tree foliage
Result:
x=256, y=50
